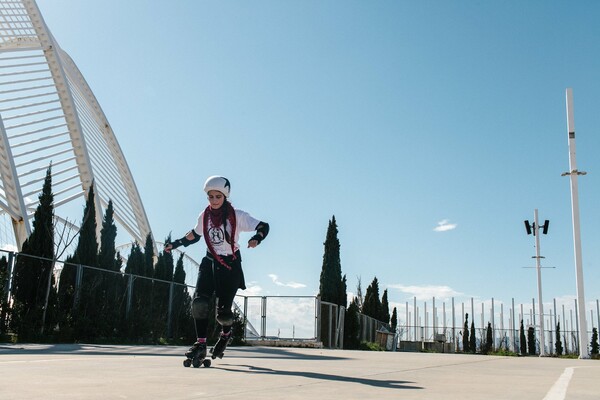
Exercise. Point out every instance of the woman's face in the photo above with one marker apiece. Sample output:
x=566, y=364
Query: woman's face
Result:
x=216, y=199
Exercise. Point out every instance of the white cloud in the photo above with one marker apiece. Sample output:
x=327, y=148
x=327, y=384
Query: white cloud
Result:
x=293, y=285
x=444, y=225
x=427, y=292
x=287, y=317
x=252, y=289
x=567, y=301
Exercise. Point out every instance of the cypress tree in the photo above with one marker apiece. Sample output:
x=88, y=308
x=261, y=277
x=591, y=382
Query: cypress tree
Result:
x=33, y=275
x=86, y=315
x=86, y=252
x=558, y=344
x=331, y=284
x=135, y=260
x=66, y=297
x=531, y=341
x=394, y=321
x=332, y=287
x=120, y=325
x=183, y=323
x=148, y=287
x=594, y=343
x=465, y=336
x=385, y=308
x=108, y=236
x=489, y=339
x=159, y=298
x=372, y=304
x=352, y=326
x=136, y=324
x=108, y=292
x=164, y=271
x=149, y=256
x=74, y=319
x=472, y=338
x=522, y=340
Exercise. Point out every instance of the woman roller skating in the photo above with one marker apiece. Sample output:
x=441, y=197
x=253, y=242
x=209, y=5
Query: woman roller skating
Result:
x=221, y=269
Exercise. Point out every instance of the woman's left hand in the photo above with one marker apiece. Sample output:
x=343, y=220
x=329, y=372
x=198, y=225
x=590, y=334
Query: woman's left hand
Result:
x=252, y=243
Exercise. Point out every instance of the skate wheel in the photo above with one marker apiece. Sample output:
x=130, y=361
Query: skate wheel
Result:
x=206, y=363
x=196, y=363
x=187, y=362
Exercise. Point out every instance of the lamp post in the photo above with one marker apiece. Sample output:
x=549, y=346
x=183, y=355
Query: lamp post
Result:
x=573, y=175
x=535, y=229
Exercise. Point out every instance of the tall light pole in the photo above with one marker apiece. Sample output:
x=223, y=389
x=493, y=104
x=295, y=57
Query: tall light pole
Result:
x=536, y=234
x=573, y=174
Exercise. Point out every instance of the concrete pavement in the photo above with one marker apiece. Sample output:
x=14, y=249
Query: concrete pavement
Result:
x=156, y=372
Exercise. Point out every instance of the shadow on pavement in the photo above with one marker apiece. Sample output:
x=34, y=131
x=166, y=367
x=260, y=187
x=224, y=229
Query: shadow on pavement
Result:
x=280, y=353
x=330, y=377
x=90, y=349
x=156, y=351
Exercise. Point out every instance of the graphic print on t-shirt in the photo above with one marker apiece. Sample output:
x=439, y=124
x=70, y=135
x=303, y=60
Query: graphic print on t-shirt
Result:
x=216, y=236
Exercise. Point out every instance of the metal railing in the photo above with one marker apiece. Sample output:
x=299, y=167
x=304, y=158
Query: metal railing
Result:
x=308, y=319
x=281, y=318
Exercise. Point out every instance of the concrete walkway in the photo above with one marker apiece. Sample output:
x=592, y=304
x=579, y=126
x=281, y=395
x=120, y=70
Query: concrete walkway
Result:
x=155, y=372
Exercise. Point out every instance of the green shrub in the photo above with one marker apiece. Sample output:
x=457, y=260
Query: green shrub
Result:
x=370, y=346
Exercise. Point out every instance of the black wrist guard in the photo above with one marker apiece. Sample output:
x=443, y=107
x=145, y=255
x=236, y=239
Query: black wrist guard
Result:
x=184, y=241
x=262, y=230
x=258, y=238
x=176, y=243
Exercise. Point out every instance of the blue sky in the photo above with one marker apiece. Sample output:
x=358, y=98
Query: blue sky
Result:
x=397, y=117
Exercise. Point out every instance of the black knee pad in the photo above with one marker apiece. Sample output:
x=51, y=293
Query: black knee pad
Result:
x=200, y=308
x=225, y=317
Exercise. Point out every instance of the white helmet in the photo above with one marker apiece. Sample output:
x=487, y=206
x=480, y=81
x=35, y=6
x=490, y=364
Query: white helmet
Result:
x=218, y=183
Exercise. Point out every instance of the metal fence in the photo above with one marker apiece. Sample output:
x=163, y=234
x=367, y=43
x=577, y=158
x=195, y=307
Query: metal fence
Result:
x=281, y=318
x=437, y=321
x=301, y=319
x=308, y=319
x=124, y=287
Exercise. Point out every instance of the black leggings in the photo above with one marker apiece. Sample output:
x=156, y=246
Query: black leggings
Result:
x=216, y=278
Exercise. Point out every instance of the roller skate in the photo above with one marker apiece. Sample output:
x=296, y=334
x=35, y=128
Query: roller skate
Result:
x=196, y=356
x=219, y=348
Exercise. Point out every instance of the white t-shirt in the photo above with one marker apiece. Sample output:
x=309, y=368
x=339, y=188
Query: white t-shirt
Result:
x=244, y=223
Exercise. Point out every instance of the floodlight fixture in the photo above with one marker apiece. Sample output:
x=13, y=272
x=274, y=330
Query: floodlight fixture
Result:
x=527, y=227
x=545, y=227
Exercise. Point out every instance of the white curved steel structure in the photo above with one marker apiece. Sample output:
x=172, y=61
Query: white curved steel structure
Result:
x=48, y=114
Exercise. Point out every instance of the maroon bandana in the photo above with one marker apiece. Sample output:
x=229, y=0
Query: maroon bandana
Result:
x=217, y=218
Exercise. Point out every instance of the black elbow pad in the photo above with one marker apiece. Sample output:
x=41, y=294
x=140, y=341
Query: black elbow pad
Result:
x=196, y=237
x=186, y=242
